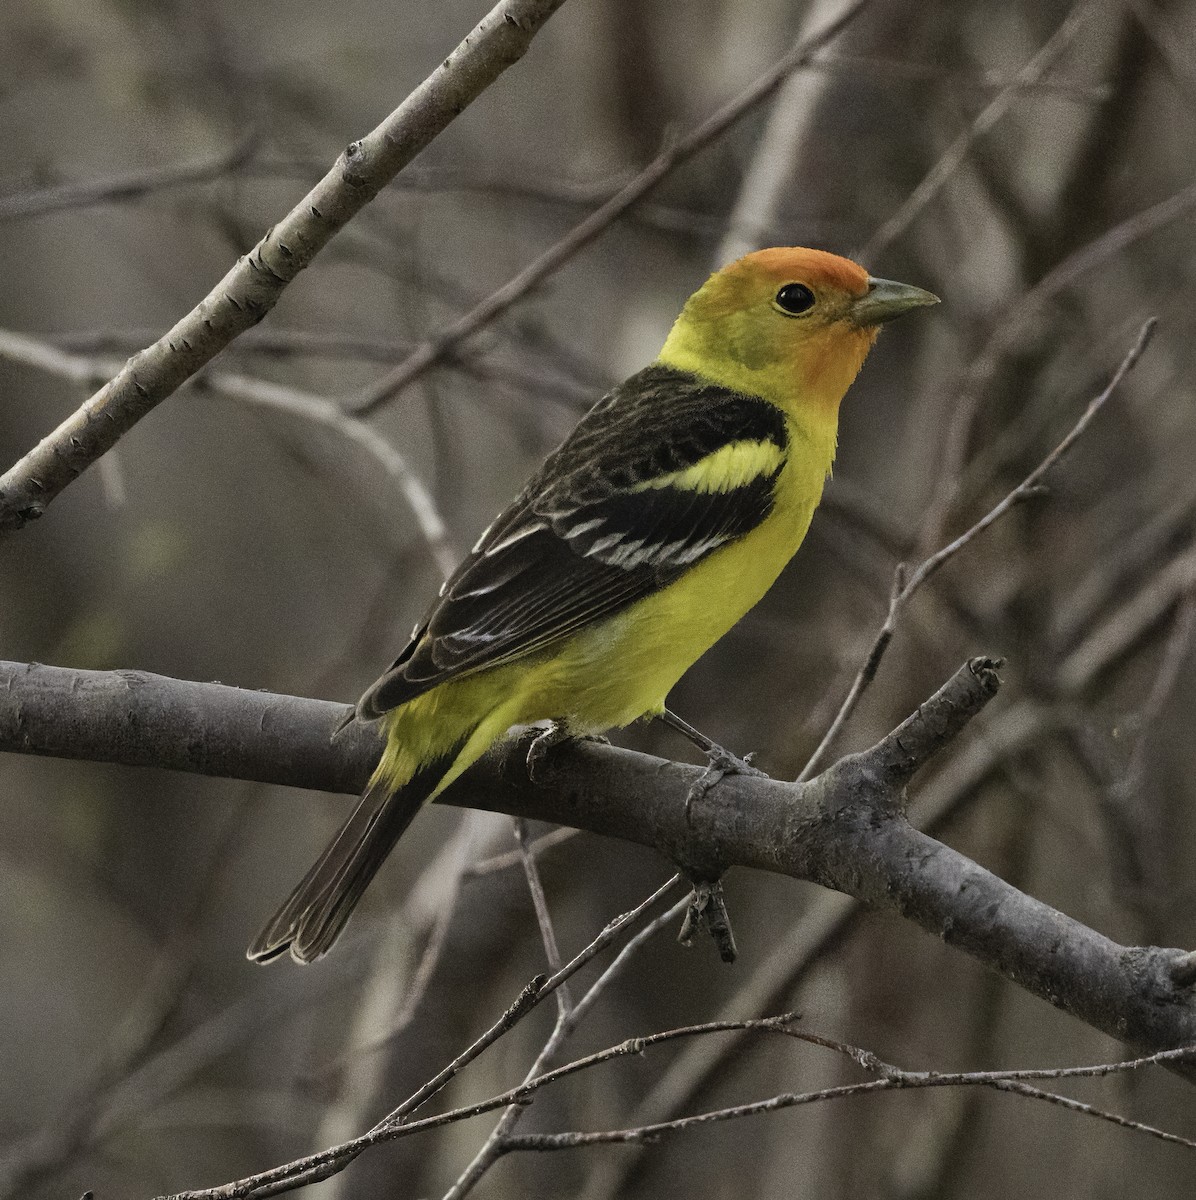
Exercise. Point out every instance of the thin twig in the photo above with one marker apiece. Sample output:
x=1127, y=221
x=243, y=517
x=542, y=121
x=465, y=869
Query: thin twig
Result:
x=318, y=410
x=495, y=1145
x=822, y=927
x=129, y=185
x=543, y=918
x=253, y=286
x=891, y=1079
x=954, y=156
x=1010, y=326
x=619, y=963
x=904, y=588
x=567, y=1021
x=314, y=1168
x=328, y=1162
x=513, y=858
x=528, y=999
x=428, y=911
x=447, y=342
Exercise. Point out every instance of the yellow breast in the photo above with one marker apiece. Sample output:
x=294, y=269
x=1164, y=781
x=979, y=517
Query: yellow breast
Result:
x=624, y=667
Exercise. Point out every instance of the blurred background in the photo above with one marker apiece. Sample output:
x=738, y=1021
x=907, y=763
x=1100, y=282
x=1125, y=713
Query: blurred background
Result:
x=1030, y=162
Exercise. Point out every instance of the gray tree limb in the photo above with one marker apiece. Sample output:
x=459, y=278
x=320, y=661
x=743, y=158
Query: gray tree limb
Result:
x=846, y=829
x=254, y=284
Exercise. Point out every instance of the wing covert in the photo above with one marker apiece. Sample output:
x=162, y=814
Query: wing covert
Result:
x=664, y=470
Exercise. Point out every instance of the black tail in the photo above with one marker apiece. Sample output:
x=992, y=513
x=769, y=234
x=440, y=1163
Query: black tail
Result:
x=316, y=911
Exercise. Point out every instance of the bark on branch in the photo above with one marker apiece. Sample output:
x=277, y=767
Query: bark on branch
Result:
x=254, y=284
x=845, y=829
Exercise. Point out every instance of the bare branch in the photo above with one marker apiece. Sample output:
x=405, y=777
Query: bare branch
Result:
x=1030, y=484
x=891, y=1079
x=845, y=830
x=325, y=1163
x=130, y=185
x=252, y=287
x=823, y=925
x=620, y=961
x=904, y=588
x=543, y=918
x=1012, y=324
x=447, y=342
x=531, y=996
x=390, y=996
x=953, y=157
x=568, y=1018
x=513, y=858
x=317, y=410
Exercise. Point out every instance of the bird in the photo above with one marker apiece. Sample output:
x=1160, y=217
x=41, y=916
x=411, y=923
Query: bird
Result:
x=663, y=517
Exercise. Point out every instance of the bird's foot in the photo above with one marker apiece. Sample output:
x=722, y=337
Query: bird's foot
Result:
x=708, y=911
x=542, y=744
x=719, y=763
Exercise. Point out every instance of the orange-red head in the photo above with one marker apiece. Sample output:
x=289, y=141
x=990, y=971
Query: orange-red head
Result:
x=790, y=324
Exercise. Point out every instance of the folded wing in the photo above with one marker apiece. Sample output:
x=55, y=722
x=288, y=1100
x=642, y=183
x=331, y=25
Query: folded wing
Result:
x=663, y=471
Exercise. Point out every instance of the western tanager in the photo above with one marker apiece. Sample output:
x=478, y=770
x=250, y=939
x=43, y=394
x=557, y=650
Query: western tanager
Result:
x=665, y=515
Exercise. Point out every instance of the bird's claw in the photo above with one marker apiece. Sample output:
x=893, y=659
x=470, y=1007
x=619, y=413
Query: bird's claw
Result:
x=542, y=744
x=719, y=763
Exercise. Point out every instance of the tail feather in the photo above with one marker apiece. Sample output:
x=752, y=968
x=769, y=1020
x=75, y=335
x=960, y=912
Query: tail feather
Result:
x=314, y=914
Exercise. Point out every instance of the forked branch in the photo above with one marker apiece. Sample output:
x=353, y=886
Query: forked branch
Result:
x=845, y=829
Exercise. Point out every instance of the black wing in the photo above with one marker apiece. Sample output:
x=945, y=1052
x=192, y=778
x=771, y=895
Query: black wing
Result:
x=588, y=536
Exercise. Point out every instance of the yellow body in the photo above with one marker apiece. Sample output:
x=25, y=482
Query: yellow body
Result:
x=666, y=516
x=622, y=668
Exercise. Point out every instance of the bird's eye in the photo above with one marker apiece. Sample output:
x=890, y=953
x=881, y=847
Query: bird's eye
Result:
x=795, y=299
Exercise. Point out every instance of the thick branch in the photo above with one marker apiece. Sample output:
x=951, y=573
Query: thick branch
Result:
x=253, y=286
x=845, y=829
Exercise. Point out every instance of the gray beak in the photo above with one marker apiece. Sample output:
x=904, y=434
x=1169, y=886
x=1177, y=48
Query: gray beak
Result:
x=886, y=299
